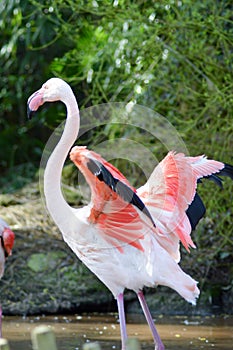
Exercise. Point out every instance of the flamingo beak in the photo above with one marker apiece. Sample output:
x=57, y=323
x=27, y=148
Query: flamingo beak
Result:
x=34, y=102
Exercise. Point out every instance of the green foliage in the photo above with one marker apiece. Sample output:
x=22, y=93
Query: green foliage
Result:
x=174, y=57
x=25, y=58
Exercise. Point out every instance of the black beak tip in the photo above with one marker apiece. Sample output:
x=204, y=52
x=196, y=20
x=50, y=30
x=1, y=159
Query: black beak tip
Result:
x=30, y=113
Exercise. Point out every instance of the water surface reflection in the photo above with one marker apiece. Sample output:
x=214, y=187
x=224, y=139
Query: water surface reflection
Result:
x=177, y=333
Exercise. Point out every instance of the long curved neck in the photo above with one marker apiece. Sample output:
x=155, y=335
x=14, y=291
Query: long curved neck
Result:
x=56, y=204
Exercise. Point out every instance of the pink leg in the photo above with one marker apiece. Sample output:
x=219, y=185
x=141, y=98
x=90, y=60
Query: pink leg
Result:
x=158, y=342
x=121, y=312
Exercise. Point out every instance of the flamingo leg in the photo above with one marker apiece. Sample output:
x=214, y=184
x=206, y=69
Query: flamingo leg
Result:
x=158, y=342
x=121, y=312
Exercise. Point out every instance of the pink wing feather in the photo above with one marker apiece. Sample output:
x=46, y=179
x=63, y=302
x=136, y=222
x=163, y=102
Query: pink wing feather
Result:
x=117, y=221
x=168, y=193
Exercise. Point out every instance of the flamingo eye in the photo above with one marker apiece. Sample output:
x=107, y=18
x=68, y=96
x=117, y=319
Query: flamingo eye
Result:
x=45, y=86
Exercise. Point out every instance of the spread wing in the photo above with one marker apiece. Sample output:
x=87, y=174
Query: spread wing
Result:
x=116, y=209
x=170, y=196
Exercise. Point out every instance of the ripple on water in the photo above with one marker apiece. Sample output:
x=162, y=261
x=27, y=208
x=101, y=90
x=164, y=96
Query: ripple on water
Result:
x=177, y=333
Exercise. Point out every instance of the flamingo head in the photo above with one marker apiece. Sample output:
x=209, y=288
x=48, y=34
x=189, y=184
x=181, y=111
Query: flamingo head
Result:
x=7, y=238
x=54, y=89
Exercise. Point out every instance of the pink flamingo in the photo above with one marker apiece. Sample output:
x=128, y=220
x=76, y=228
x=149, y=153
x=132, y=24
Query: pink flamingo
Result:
x=7, y=238
x=129, y=238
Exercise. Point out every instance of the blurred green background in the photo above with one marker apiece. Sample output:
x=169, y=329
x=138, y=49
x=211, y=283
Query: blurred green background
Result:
x=174, y=57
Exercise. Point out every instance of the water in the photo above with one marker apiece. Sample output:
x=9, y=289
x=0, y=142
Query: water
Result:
x=177, y=333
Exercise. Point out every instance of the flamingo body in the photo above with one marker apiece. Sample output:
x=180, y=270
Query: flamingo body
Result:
x=129, y=238
x=125, y=240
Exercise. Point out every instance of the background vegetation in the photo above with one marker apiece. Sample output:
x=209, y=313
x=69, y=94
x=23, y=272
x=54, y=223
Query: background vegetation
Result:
x=174, y=57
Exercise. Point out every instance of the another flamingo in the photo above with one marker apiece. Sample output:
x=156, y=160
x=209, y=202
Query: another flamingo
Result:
x=129, y=238
x=7, y=238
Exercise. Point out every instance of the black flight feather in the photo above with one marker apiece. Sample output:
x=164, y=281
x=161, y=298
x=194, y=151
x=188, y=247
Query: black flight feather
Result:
x=197, y=210
x=226, y=171
x=125, y=192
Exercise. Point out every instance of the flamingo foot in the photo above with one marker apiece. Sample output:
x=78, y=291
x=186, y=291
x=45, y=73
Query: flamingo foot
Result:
x=121, y=312
x=158, y=342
